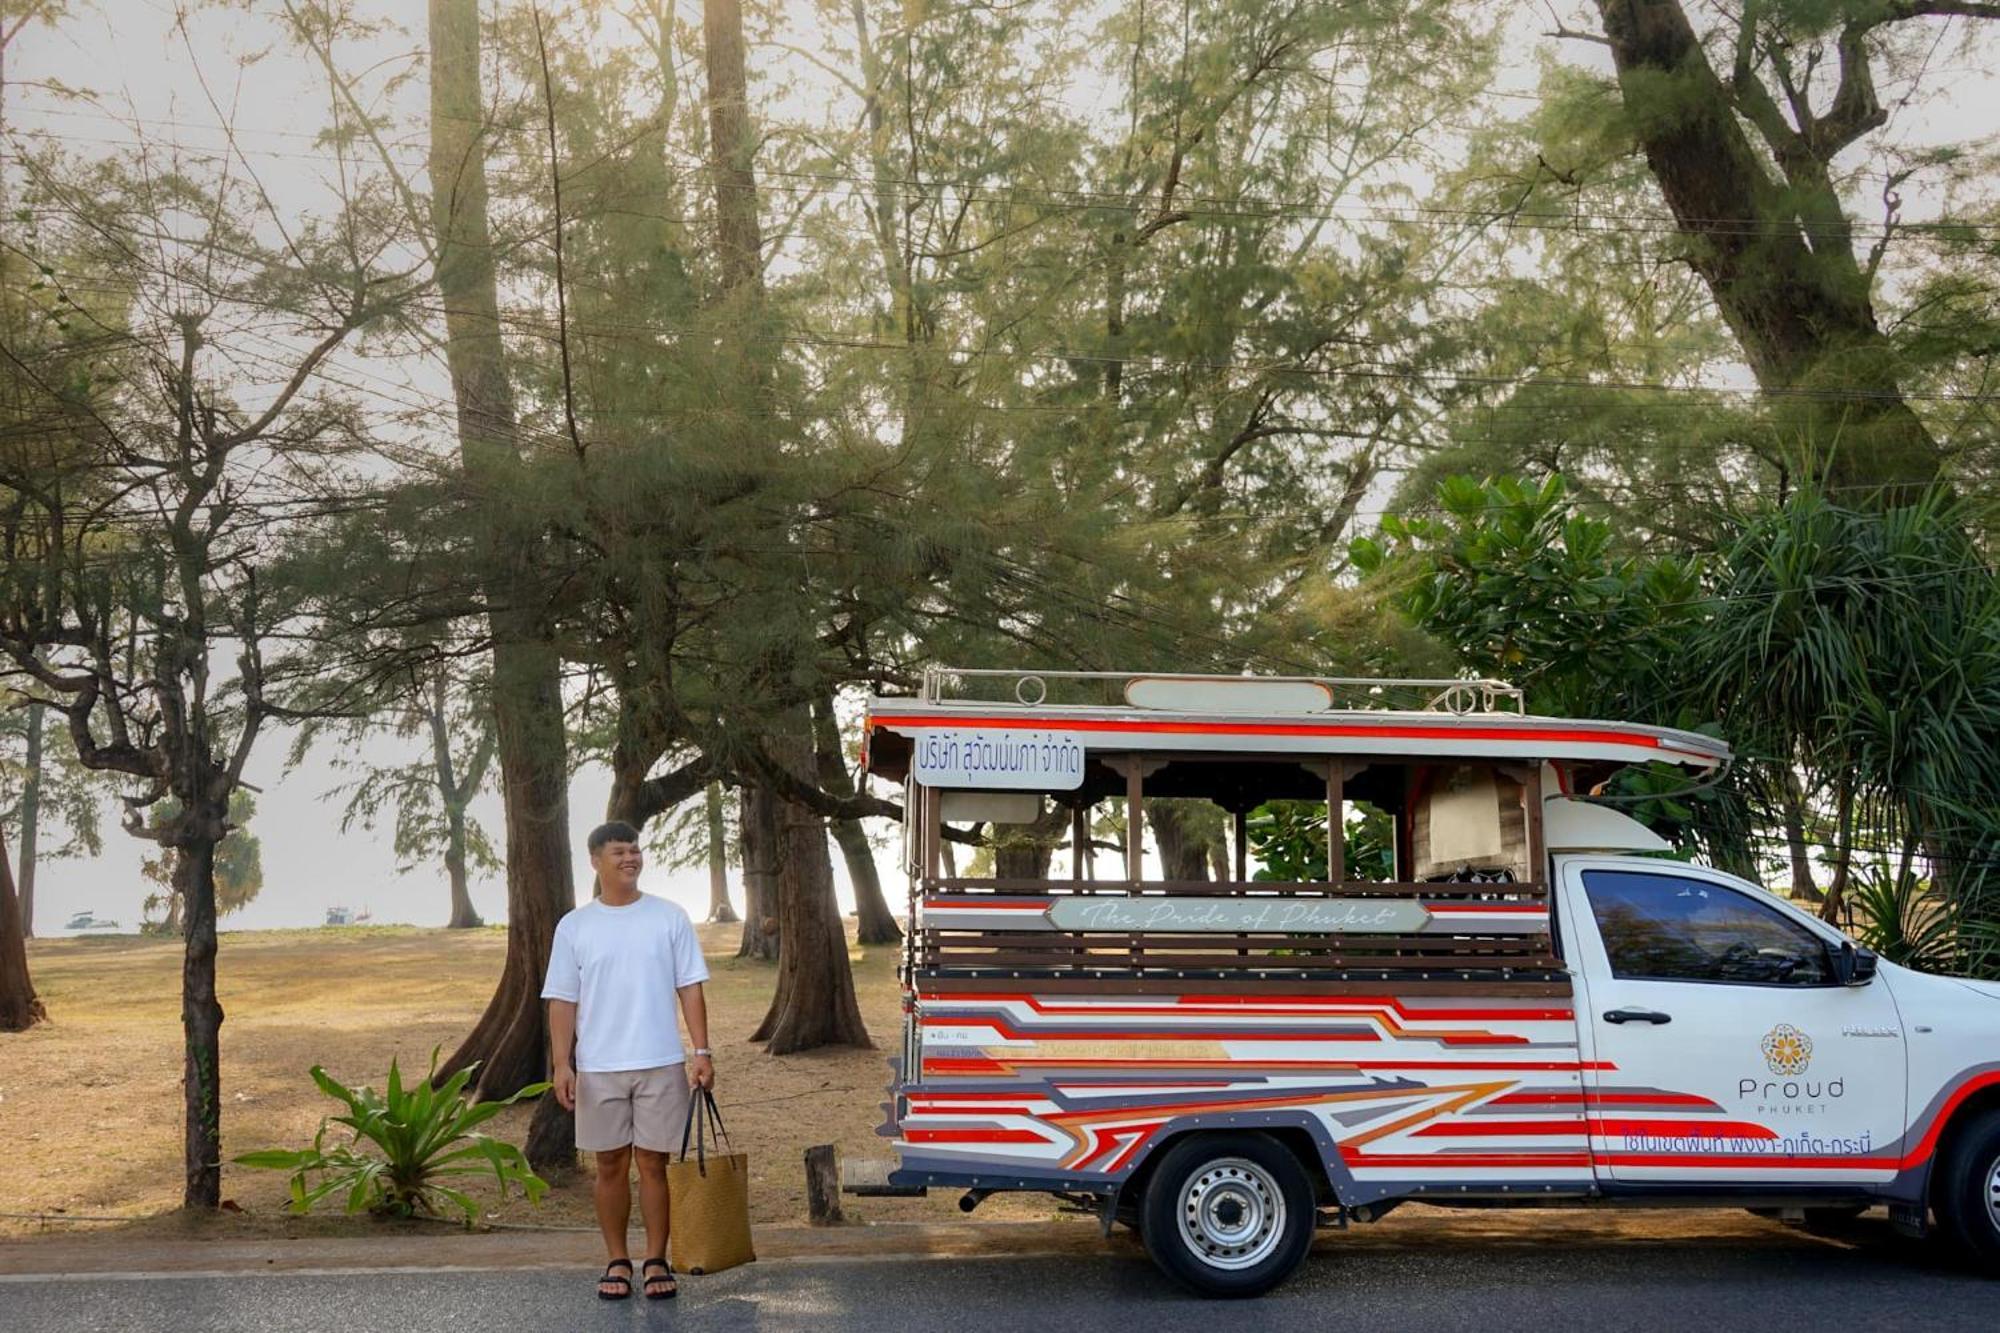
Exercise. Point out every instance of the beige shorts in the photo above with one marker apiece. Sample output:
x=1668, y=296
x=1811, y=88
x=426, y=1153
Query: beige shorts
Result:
x=644, y=1108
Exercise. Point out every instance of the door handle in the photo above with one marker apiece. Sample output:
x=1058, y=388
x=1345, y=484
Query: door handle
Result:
x=1652, y=1016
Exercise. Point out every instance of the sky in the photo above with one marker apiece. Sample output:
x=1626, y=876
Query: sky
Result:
x=138, y=64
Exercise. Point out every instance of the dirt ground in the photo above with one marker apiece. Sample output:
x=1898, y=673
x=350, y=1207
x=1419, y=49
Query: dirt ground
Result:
x=90, y=1103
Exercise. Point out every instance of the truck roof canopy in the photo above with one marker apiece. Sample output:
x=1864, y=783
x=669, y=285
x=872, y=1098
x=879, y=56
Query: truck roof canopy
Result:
x=1216, y=734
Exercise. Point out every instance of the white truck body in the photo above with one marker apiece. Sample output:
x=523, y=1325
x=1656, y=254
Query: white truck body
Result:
x=1222, y=1063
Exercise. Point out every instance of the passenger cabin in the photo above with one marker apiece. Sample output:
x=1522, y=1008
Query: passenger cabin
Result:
x=1065, y=776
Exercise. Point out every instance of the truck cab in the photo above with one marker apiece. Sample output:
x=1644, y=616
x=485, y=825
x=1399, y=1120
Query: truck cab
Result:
x=1523, y=998
x=1806, y=1073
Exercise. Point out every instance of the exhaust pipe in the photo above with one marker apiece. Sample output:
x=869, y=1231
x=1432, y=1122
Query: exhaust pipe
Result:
x=971, y=1199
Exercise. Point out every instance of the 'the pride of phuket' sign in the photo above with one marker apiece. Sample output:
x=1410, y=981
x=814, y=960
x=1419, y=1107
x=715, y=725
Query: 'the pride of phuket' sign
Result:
x=1333, y=916
x=1022, y=760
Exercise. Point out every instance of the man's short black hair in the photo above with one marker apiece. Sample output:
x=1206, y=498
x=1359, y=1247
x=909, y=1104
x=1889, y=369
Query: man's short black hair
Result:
x=616, y=831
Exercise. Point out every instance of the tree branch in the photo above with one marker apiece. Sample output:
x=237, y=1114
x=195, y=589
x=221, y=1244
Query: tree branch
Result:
x=1855, y=110
x=562, y=286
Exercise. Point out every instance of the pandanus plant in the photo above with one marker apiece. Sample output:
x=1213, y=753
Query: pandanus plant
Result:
x=423, y=1138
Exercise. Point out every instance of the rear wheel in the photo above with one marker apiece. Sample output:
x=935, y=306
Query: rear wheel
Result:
x=1228, y=1214
x=1966, y=1192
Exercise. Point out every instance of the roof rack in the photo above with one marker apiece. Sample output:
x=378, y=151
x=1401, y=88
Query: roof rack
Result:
x=1099, y=689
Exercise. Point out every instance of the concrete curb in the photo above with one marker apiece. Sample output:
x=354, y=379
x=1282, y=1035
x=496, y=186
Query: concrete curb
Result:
x=62, y=1256
x=407, y=1249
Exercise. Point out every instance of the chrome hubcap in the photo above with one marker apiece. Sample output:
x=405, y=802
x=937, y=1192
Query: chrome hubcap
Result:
x=1232, y=1214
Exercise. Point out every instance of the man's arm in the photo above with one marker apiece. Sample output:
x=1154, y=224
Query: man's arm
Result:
x=694, y=1008
x=562, y=1048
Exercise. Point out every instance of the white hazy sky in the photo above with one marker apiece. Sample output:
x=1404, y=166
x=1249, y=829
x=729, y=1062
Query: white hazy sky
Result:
x=138, y=65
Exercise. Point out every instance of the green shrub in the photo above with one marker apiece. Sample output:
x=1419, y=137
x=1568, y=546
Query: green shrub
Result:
x=423, y=1137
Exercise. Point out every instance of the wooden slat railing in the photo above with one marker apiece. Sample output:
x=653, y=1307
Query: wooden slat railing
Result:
x=1447, y=955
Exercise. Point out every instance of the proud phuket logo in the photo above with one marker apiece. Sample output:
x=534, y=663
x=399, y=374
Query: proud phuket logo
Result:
x=1788, y=1053
x=1787, y=1050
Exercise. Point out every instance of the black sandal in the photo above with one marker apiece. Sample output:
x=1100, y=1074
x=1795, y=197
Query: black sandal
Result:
x=609, y=1276
x=666, y=1274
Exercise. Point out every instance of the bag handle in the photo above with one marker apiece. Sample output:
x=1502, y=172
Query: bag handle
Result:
x=702, y=1115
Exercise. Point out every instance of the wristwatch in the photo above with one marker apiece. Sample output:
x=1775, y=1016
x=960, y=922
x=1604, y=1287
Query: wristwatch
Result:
x=703, y=1050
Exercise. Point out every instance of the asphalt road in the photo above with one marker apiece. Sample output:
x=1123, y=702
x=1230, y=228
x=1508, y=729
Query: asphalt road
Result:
x=1873, y=1280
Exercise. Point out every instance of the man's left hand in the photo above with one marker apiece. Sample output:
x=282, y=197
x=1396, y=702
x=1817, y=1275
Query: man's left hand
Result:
x=701, y=1071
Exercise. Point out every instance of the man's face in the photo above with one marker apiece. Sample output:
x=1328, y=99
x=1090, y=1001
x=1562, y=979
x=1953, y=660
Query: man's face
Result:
x=618, y=864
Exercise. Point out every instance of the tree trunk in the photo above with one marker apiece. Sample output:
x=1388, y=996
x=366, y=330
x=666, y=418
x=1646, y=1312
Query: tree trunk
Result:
x=1793, y=799
x=175, y=922
x=31, y=821
x=1835, y=902
x=509, y=1043
x=757, y=837
x=1024, y=851
x=1800, y=305
x=630, y=761
x=815, y=1004
x=719, y=910
x=201, y=1012
x=766, y=822
x=453, y=796
x=876, y=923
x=739, y=242
x=19, y=1007
x=1183, y=853
x=463, y=915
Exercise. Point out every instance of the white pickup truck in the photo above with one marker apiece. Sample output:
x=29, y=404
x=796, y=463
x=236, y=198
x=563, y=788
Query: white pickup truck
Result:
x=1534, y=1006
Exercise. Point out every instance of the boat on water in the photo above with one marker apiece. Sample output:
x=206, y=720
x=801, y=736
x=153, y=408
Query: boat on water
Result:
x=87, y=920
x=347, y=916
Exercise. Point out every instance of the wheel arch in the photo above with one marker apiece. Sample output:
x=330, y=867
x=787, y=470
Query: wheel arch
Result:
x=1301, y=1133
x=1960, y=1119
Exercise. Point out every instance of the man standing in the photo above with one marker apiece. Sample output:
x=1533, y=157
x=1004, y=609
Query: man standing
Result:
x=618, y=962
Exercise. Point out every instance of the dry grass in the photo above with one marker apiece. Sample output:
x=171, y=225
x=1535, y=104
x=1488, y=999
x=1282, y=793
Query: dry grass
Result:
x=90, y=1103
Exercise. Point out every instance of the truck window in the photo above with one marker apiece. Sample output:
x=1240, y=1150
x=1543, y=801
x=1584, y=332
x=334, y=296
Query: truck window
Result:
x=1677, y=928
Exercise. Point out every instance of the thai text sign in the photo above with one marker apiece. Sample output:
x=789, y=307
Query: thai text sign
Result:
x=1302, y=916
x=1021, y=760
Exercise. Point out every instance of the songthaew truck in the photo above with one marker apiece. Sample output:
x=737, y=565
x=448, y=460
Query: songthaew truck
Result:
x=1535, y=1005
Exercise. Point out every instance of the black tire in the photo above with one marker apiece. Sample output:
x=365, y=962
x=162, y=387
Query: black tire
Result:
x=1966, y=1192
x=1249, y=1212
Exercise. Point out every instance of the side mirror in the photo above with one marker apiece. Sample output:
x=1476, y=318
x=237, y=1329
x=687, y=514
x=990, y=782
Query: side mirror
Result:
x=1853, y=966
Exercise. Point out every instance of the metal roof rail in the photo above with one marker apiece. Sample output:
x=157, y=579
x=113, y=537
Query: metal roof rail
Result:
x=1113, y=689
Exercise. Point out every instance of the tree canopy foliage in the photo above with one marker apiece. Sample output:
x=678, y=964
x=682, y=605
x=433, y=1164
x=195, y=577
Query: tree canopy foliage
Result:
x=1851, y=657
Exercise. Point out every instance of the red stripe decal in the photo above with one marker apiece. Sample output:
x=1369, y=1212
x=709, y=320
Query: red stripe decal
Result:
x=1453, y=1161
x=1124, y=1159
x=1269, y=1003
x=1705, y=1129
x=973, y=1136
x=1403, y=731
x=1600, y=1099
x=980, y=1065
x=971, y=903
x=1928, y=1144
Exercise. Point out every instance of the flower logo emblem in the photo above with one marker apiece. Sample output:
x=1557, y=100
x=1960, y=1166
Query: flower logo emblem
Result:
x=1787, y=1050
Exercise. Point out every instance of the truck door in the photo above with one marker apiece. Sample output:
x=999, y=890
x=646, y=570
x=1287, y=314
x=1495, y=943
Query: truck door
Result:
x=1719, y=1045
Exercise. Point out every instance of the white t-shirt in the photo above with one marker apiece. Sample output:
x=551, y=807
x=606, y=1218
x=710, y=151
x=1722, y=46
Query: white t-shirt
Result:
x=620, y=967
